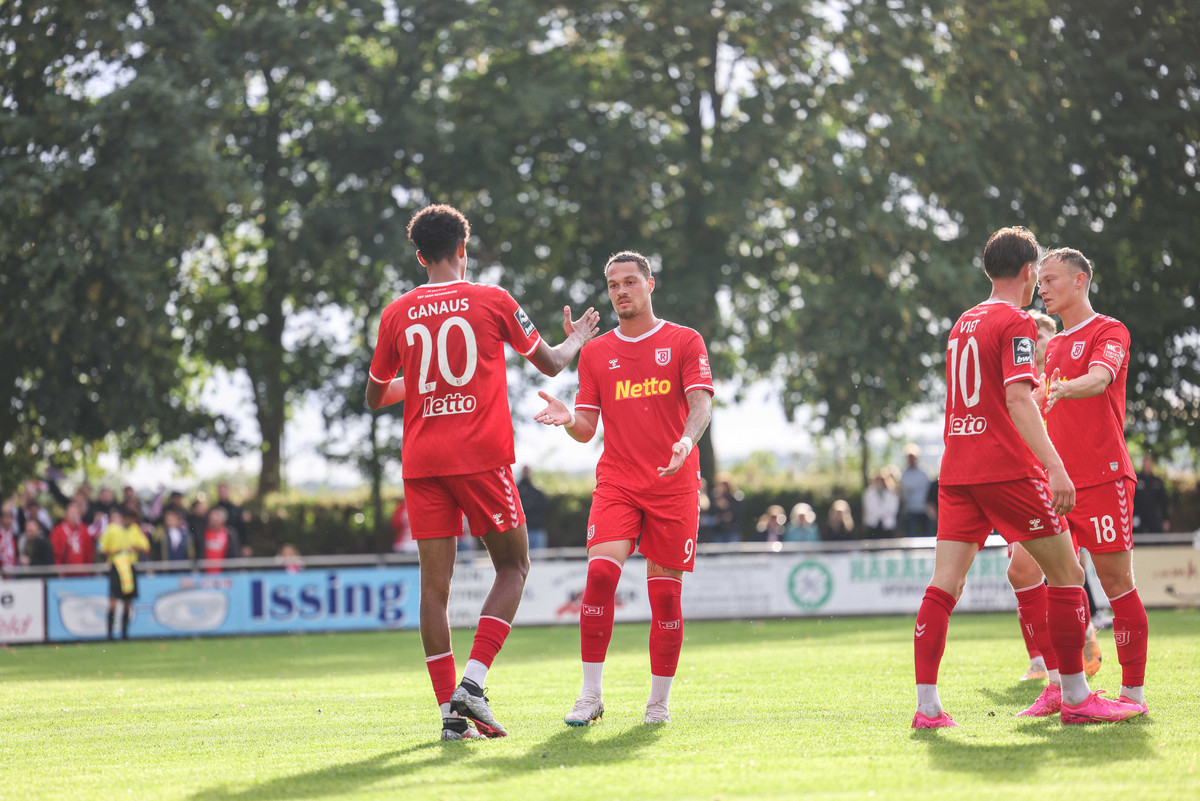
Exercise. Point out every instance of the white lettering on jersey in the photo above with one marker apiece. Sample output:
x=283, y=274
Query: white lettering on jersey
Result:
x=967, y=426
x=438, y=307
x=455, y=403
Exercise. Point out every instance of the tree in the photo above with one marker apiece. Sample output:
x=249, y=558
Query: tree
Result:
x=106, y=181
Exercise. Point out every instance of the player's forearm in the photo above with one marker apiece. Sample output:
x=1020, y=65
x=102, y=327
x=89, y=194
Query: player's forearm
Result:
x=380, y=395
x=582, y=427
x=1028, y=420
x=699, y=415
x=1092, y=383
x=561, y=355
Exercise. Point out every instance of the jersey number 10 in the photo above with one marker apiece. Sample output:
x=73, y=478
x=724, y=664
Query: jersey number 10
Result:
x=959, y=368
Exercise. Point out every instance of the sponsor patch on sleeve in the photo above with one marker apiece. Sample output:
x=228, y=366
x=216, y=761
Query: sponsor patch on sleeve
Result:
x=1114, y=354
x=523, y=318
x=1022, y=350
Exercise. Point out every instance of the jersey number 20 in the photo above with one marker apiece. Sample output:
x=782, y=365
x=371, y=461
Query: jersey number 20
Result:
x=420, y=332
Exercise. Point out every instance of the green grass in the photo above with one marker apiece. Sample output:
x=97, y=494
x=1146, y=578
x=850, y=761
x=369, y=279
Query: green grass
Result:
x=783, y=709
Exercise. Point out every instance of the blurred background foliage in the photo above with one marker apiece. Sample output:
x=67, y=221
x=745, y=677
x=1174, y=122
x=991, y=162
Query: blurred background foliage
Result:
x=189, y=187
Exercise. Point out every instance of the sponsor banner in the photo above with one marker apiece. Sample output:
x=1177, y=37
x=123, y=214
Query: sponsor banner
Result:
x=22, y=612
x=1167, y=576
x=748, y=586
x=256, y=602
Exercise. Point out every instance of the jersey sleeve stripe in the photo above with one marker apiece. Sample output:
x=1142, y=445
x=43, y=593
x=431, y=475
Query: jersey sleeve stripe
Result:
x=1021, y=377
x=708, y=387
x=378, y=380
x=537, y=341
x=1106, y=366
x=587, y=406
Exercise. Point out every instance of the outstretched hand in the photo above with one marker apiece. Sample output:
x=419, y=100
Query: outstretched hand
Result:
x=1057, y=389
x=556, y=412
x=586, y=327
x=679, y=452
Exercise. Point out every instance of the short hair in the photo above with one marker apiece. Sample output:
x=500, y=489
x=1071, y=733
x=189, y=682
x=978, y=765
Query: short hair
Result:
x=629, y=255
x=437, y=230
x=1073, y=258
x=1008, y=250
x=1044, y=322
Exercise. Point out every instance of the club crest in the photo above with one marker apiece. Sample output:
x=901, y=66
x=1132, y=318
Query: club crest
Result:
x=1077, y=349
x=662, y=356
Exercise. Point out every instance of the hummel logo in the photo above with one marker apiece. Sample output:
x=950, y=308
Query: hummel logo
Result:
x=1036, y=524
x=613, y=364
x=499, y=518
x=921, y=629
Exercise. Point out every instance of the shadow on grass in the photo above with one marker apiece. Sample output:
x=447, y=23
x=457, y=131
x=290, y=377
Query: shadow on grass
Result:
x=1016, y=695
x=346, y=778
x=1046, y=746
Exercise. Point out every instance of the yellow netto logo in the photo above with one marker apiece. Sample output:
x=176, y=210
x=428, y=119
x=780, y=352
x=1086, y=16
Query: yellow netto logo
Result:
x=642, y=389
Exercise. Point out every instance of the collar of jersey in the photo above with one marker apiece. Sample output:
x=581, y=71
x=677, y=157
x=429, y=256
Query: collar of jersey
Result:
x=1081, y=325
x=649, y=333
x=446, y=283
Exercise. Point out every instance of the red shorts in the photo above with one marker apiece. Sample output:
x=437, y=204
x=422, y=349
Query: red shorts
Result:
x=1103, y=516
x=436, y=505
x=1018, y=510
x=662, y=527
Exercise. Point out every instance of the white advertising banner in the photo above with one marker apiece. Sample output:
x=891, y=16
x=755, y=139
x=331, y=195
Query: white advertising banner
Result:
x=22, y=611
x=748, y=586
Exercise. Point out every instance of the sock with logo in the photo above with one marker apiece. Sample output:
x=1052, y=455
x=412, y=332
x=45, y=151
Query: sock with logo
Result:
x=1066, y=619
x=443, y=675
x=666, y=624
x=489, y=639
x=1031, y=608
x=1130, y=632
x=929, y=637
x=596, y=611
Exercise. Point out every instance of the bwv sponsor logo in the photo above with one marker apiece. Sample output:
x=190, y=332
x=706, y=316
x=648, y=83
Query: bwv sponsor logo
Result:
x=330, y=599
x=967, y=426
x=456, y=403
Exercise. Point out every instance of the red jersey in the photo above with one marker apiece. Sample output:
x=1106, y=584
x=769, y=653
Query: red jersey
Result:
x=640, y=388
x=990, y=347
x=448, y=342
x=1089, y=433
x=73, y=545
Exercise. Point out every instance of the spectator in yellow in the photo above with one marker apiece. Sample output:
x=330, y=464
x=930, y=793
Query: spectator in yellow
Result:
x=122, y=543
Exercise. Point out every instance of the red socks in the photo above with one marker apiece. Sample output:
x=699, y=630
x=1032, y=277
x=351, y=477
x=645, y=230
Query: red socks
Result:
x=929, y=638
x=1066, y=619
x=666, y=624
x=596, y=612
x=443, y=675
x=1130, y=631
x=489, y=638
x=1032, y=604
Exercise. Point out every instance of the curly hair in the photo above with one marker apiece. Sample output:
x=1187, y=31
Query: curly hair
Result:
x=1008, y=250
x=437, y=230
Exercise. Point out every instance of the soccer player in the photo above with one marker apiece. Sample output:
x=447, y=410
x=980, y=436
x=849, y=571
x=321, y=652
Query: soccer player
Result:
x=1026, y=577
x=650, y=381
x=447, y=339
x=1085, y=416
x=992, y=477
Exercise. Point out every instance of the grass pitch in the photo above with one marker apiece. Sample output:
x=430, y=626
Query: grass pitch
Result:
x=772, y=710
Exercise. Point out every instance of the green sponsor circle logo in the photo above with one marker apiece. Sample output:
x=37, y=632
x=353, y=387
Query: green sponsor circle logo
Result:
x=810, y=585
